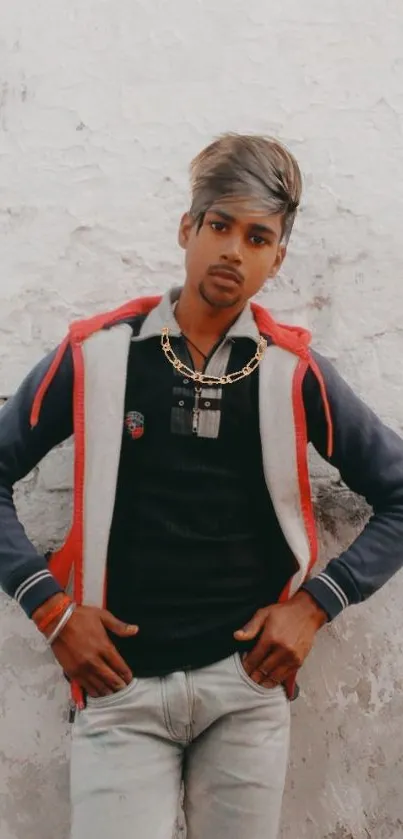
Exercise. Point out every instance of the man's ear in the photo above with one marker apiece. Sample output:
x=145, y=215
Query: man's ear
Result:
x=280, y=257
x=185, y=228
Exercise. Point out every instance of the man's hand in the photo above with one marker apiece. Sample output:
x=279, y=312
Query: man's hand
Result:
x=85, y=652
x=286, y=635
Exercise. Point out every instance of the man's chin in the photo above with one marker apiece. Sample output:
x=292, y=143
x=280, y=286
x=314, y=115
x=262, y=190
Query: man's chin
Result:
x=218, y=299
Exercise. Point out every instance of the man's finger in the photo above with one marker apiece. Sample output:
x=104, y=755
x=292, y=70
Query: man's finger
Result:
x=255, y=657
x=268, y=665
x=270, y=684
x=277, y=670
x=117, y=626
x=107, y=675
x=253, y=627
x=96, y=688
x=86, y=686
x=117, y=664
x=90, y=686
x=282, y=674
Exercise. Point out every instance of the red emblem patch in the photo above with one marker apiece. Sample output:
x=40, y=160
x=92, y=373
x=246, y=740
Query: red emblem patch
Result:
x=134, y=422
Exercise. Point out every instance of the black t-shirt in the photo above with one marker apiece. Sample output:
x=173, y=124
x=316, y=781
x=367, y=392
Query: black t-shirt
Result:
x=195, y=546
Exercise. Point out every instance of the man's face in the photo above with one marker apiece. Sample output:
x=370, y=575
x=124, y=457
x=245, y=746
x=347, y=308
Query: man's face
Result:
x=232, y=254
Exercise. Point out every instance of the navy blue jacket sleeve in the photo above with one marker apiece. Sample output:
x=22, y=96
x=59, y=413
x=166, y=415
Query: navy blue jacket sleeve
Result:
x=23, y=571
x=369, y=457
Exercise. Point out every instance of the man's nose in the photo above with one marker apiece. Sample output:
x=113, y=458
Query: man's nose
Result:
x=232, y=250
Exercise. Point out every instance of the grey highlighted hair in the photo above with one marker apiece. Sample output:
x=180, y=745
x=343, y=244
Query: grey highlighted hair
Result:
x=252, y=168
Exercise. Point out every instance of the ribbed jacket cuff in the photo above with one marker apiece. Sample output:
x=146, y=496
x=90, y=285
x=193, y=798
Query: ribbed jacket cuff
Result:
x=328, y=594
x=35, y=590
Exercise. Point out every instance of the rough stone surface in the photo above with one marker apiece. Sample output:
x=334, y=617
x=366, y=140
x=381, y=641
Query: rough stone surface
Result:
x=101, y=107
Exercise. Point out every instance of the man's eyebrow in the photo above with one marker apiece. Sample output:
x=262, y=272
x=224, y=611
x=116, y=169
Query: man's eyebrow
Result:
x=263, y=228
x=225, y=216
x=259, y=228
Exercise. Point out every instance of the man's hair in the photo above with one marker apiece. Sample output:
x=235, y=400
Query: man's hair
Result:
x=257, y=169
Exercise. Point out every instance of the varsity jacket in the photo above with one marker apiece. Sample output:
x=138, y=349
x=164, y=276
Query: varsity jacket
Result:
x=82, y=386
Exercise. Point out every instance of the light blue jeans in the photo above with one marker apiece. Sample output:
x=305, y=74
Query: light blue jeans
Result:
x=225, y=737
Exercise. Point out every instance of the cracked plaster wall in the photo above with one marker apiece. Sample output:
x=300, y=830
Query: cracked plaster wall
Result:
x=101, y=107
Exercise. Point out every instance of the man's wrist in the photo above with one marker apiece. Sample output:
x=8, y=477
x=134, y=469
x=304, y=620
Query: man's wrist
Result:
x=40, y=613
x=312, y=607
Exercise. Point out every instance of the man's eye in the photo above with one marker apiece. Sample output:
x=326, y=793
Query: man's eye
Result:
x=258, y=240
x=217, y=225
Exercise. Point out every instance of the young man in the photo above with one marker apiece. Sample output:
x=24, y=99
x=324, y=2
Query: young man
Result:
x=190, y=605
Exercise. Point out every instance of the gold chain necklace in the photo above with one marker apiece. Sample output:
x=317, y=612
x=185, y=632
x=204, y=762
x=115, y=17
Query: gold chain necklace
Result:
x=201, y=378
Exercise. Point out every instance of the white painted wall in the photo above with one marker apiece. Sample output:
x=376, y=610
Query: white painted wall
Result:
x=102, y=105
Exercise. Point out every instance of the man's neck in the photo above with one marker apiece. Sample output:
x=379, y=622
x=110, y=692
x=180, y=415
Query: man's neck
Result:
x=196, y=317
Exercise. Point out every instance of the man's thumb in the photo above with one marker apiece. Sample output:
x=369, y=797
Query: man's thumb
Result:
x=117, y=626
x=252, y=628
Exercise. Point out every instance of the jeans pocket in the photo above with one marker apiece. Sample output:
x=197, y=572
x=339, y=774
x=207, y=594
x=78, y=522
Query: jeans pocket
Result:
x=261, y=689
x=111, y=698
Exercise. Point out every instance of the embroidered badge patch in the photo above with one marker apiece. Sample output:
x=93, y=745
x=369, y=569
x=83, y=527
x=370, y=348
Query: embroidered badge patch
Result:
x=134, y=422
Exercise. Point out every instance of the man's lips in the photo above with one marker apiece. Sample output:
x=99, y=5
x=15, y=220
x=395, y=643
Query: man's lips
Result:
x=226, y=273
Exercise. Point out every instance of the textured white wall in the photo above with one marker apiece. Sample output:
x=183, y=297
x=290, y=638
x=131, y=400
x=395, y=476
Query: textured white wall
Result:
x=102, y=105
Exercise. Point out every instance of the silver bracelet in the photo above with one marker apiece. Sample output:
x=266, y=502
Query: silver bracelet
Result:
x=62, y=623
